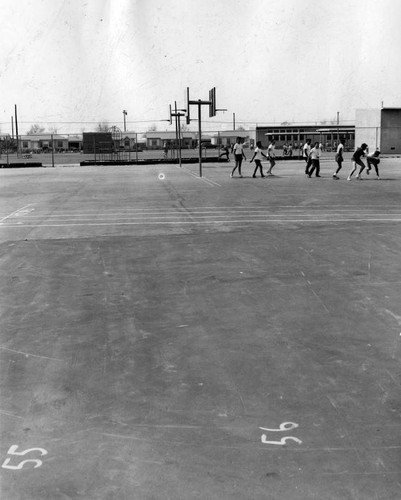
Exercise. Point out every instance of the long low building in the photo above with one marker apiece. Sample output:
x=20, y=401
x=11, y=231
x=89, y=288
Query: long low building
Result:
x=296, y=135
x=46, y=142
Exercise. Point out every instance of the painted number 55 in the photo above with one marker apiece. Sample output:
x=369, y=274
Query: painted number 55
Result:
x=13, y=451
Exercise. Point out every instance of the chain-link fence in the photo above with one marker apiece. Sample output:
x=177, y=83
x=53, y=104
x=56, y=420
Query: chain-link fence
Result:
x=114, y=146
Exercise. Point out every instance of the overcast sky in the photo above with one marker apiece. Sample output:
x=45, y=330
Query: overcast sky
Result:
x=270, y=60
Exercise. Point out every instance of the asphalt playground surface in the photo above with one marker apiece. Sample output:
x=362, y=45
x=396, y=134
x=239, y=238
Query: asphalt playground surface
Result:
x=167, y=337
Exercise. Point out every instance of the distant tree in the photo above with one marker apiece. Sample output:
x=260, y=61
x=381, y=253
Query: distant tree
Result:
x=184, y=127
x=102, y=127
x=240, y=128
x=52, y=130
x=35, y=129
x=152, y=128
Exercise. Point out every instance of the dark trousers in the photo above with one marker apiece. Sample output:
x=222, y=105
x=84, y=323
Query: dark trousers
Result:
x=308, y=164
x=315, y=166
x=258, y=165
x=340, y=164
x=375, y=162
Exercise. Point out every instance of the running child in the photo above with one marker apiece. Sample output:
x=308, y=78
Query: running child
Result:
x=356, y=160
x=339, y=158
x=257, y=156
x=272, y=155
x=225, y=153
x=239, y=154
x=306, y=154
x=315, y=153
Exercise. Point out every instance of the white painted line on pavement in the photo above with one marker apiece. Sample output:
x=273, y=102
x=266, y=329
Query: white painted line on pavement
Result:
x=248, y=221
x=15, y=212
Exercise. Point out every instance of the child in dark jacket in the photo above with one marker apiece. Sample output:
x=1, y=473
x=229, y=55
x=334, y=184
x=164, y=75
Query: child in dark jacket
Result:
x=356, y=160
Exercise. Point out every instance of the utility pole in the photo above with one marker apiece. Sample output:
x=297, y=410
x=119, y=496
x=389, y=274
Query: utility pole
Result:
x=16, y=127
x=338, y=131
x=125, y=125
x=233, y=121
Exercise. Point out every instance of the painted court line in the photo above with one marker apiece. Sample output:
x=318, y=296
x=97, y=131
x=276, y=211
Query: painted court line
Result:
x=257, y=212
x=205, y=209
x=196, y=215
x=204, y=179
x=15, y=212
x=27, y=354
x=247, y=221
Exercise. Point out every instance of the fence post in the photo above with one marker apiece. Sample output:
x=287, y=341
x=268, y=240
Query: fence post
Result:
x=299, y=145
x=52, y=136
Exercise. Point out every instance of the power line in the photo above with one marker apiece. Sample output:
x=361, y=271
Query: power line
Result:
x=81, y=123
x=253, y=122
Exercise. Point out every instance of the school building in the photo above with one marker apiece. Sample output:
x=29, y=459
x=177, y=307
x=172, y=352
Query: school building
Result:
x=37, y=143
x=296, y=135
x=229, y=137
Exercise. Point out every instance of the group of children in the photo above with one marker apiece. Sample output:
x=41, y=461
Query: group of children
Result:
x=239, y=155
x=311, y=157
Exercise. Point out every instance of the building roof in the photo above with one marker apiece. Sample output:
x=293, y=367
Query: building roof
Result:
x=233, y=133
x=167, y=135
x=42, y=137
x=129, y=135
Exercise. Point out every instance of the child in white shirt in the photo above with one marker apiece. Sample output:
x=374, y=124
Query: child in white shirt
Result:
x=257, y=156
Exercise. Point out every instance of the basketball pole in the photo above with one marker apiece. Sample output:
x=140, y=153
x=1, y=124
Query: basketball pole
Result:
x=179, y=135
x=199, y=103
x=212, y=112
x=200, y=135
x=176, y=127
x=177, y=115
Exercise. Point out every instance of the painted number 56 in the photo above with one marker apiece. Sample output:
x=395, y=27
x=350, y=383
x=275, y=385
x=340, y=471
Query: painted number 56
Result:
x=13, y=451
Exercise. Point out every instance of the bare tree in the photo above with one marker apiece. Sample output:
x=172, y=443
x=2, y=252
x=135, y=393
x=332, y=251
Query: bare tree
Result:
x=36, y=129
x=102, y=127
x=152, y=128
